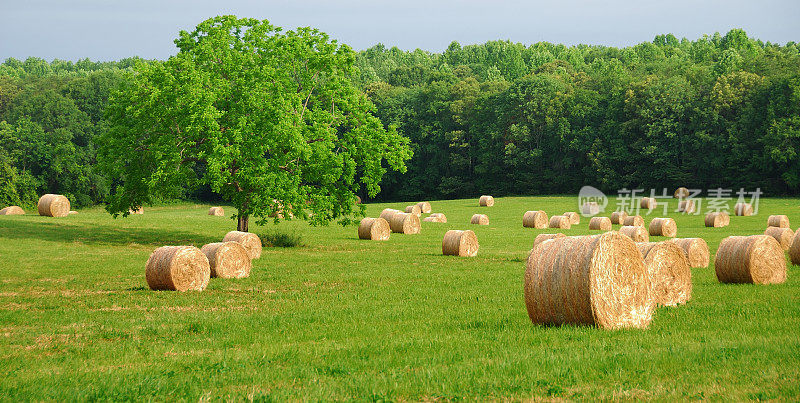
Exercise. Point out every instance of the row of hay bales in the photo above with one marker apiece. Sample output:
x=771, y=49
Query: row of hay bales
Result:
x=53, y=205
x=659, y=226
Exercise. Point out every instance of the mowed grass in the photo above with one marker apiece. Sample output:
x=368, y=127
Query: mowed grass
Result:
x=343, y=319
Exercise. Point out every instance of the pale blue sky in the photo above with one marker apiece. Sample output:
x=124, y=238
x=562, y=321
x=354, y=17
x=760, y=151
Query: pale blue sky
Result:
x=110, y=30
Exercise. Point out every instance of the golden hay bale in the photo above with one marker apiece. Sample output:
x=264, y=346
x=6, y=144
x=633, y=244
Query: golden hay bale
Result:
x=545, y=237
x=227, y=259
x=755, y=259
x=425, y=207
x=374, y=229
x=600, y=223
x=670, y=275
x=387, y=214
x=358, y=199
x=717, y=219
x=634, y=220
x=743, y=209
x=618, y=217
x=250, y=241
x=590, y=208
x=588, y=280
x=534, y=219
x=414, y=209
x=486, y=201
x=782, y=235
x=436, y=217
x=635, y=232
x=12, y=210
x=404, y=223
x=681, y=193
x=559, y=221
x=216, y=211
x=178, y=268
x=51, y=205
x=574, y=218
x=794, y=249
x=480, y=219
x=780, y=221
x=663, y=227
x=460, y=243
x=686, y=206
x=139, y=210
x=648, y=203
x=695, y=250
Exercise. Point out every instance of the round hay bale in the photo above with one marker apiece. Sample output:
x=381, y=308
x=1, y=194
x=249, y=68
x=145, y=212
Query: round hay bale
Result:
x=780, y=221
x=374, y=229
x=717, y=219
x=695, y=250
x=743, y=209
x=574, y=218
x=358, y=199
x=618, y=217
x=559, y=221
x=405, y=223
x=534, y=219
x=782, y=235
x=663, y=227
x=600, y=223
x=545, y=237
x=635, y=232
x=486, y=201
x=634, y=220
x=51, y=205
x=755, y=259
x=227, y=259
x=139, y=210
x=424, y=207
x=12, y=210
x=480, y=219
x=250, y=241
x=414, y=209
x=460, y=243
x=177, y=268
x=648, y=203
x=436, y=217
x=670, y=275
x=794, y=249
x=216, y=211
x=590, y=208
x=681, y=193
x=387, y=214
x=588, y=280
x=687, y=206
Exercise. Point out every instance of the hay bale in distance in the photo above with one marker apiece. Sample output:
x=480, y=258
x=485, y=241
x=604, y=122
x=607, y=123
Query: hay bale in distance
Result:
x=72, y=212
x=782, y=235
x=634, y=220
x=717, y=219
x=618, y=217
x=424, y=207
x=559, y=221
x=139, y=210
x=486, y=201
x=250, y=241
x=755, y=259
x=460, y=243
x=358, y=199
x=387, y=214
x=12, y=210
x=600, y=223
x=662, y=226
x=780, y=221
x=479, y=219
x=374, y=229
x=695, y=250
x=177, y=268
x=52, y=205
x=681, y=193
x=216, y=211
x=436, y=217
x=227, y=259
x=574, y=218
x=405, y=223
x=648, y=203
x=414, y=209
x=590, y=208
x=794, y=249
x=545, y=237
x=534, y=219
x=635, y=232
x=743, y=209
x=687, y=206
x=588, y=280
x=670, y=275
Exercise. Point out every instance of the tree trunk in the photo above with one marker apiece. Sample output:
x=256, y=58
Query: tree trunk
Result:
x=244, y=223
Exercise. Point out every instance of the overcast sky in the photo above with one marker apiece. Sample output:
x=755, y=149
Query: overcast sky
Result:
x=111, y=30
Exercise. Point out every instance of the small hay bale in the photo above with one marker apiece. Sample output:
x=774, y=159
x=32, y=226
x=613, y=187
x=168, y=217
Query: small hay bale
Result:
x=681, y=193
x=216, y=211
x=670, y=275
x=780, y=221
x=634, y=220
x=72, y=212
x=648, y=203
x=387, y=214
x=717, y=219
x=374, y=229
x=663, y=227
x=358, y=199
x=600, y=223
x=12, y=210
x=486, y=201
x=588, y=280
x=782, y=235
x=755, y=259
x=227, y=259
x=695, y=250
x=590, y=208
x=794, y=249
x=250, y=241
x=177, y=268
x=52, y=205
x=635, y=232
x=686, y=206
x=480, y=219
x=559, y=221
x=574, y=218
x=414, y=209
x=425, y=207
x=545, y=237
x=460, y=243
x=534, y=219
x=618, y=217
x=139, y=210
x=743, y=209
x=436, y=217
x=404, y=223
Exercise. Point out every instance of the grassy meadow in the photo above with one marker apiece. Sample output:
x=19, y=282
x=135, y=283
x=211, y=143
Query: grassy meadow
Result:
x=339, y=319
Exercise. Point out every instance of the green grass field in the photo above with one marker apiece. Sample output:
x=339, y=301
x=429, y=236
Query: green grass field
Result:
x=342, y=319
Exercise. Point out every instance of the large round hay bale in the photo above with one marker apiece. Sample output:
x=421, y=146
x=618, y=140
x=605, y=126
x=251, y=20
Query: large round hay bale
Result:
x=634, y=220
x=695, y=250
x=743, y=209
x=635, y=232
x=479, y=219
x=686, y=206
x=670, y=275
x=250, y=241
x=681, y=193
x=414, y=209
x=794, y=249
x=534, y=219
x=559, y=221
x=387, y=214
x=756, y=259
x=589, y=280
x=436, y=217
x=425, y=207
x=227, y=259
x=178, y=268
x=574, y=218
x=486, y=201
x=374, y=229
x=648, y=203
x=663, y=227
x=782, y=235
x=12, y=210
x=618, y=217
x=460, y=243
x=590, y=208
x=717, y=219
x=600, y=223
x=780, y=221
x=51, y=205
x=216, y=211
x=405, y=223
x=139, y=210
x=544, y=237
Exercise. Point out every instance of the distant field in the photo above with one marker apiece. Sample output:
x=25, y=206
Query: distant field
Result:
x=341, y=319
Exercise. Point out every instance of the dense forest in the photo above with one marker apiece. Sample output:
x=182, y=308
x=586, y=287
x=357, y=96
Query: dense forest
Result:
x=499, y=117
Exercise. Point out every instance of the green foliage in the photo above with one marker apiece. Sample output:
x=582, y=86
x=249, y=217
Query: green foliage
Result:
x=282, y=238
